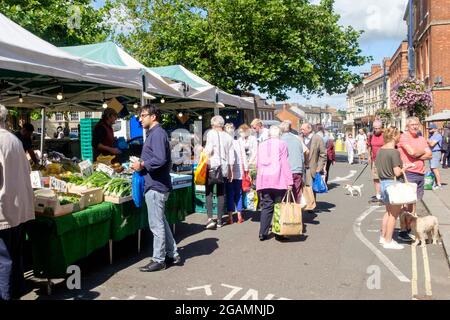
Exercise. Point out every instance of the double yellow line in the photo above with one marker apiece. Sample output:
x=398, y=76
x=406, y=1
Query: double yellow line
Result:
x=426, y=268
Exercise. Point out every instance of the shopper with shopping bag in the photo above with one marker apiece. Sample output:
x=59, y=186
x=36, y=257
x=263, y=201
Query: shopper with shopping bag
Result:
x=389, y=167
x=273, y=178
x=287, y=218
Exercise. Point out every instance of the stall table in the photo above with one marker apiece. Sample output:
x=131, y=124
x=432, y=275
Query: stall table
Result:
x=58, y=242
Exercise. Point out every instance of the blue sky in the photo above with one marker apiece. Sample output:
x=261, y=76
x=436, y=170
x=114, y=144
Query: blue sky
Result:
x=384, y=29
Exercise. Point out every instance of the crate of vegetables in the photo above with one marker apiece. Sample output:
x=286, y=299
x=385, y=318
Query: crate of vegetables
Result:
x=118, y=190
x=53, y=204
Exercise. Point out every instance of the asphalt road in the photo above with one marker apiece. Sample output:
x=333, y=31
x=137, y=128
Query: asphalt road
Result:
x=338, y=257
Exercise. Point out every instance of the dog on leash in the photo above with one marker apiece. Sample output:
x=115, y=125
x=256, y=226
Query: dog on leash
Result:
x=352, y=189
x=422, y=227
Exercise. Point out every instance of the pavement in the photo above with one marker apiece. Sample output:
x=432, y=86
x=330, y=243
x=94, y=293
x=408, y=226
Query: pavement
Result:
x=437, y=202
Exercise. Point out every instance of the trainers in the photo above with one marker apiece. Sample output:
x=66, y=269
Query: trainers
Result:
x=393, y=245
x=437, y=188
x=378, y=196
x=381, y=241
x=211, y=224
x=219, y=225
x=404, y=236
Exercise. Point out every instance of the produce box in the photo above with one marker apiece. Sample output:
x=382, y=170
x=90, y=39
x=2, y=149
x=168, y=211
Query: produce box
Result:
x=47, y=203
x=118, y=200
x=90, y=197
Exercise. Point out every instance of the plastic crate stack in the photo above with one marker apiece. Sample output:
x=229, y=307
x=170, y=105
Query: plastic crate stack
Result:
x=200, y=200
x=86, y=129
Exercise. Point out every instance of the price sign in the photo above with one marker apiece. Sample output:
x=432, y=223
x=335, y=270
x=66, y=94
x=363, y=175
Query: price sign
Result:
x=86, y=168
x=36, y=182
x=58, y=185
x=106, y=169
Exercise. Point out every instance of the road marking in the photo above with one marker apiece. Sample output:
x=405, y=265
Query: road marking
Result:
x=232, y=293
x=414, y=290
x=357, y=230
x=376, y=230
x=207, y=289
x=347, y=177
x=426, y=267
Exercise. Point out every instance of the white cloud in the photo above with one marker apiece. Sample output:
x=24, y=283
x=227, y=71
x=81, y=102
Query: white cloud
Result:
x=378, y=18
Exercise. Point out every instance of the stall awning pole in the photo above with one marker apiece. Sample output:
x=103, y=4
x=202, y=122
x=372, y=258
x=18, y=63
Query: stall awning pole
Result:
x=42, y=134
x=144, y=134
x=216, y=106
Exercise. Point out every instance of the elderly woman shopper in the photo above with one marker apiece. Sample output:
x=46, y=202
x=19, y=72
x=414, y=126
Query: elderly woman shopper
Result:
x=219, y=148
x=234, y=188
x=274, y=176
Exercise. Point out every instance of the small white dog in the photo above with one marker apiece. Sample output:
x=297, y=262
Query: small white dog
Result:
x=422, y=227
x=352, y=189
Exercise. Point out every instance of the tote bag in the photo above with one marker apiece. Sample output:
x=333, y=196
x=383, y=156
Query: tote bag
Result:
x=287, y=218
x=402, y=193
x=201, y=170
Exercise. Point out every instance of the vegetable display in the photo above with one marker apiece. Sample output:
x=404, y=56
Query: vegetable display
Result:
x=66, y=199
x=118, y=187
x=98, y=180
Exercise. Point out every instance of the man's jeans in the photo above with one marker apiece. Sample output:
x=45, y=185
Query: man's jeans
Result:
x=163, y=241
x=5, y=272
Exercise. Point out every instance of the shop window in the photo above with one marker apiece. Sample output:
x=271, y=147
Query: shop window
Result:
x=74, y=116
x=59, y=116
x=88, y=115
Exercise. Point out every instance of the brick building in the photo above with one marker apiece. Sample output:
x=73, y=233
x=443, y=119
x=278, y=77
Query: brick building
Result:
x=397, y=73
x=430, y=34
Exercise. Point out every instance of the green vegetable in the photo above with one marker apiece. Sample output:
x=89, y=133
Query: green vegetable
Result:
x=97, y=179
x=118, y=187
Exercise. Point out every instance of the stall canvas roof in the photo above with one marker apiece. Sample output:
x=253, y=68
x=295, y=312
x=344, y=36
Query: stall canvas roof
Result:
x=33, y=66
x=197, y=88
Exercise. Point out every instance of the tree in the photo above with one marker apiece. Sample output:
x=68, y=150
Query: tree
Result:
x=62, y=23
x=270, y=45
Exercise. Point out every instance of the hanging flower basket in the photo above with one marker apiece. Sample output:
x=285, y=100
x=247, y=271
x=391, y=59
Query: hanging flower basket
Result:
x=412, y=96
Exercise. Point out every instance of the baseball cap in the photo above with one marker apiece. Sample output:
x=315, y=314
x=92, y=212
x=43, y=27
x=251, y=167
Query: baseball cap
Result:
x=432, y=126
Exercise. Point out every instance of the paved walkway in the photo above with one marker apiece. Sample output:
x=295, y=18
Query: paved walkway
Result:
x=438, y=204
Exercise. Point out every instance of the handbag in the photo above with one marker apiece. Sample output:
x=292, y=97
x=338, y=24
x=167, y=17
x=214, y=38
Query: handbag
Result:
x=287, y=218
x=246, y=179
x=201, y=170
x=402, y=193
x=215, y=175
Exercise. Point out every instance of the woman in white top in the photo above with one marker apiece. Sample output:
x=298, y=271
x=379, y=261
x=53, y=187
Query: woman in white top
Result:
x=361, y=144
x=219, y=147
x=350, y=145
x=234, y=188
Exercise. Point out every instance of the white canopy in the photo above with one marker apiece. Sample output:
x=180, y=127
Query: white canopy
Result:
x=22, y=51
x=441, y=116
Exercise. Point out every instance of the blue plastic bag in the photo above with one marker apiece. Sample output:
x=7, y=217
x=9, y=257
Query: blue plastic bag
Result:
x=319, y=185
x=137, y=189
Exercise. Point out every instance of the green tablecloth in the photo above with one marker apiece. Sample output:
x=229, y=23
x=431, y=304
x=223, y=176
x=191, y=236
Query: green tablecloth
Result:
x=61, y=241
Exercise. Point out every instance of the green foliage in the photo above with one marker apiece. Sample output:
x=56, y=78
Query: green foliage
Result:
x=60, y=22
x=272, y=45
x=384, y=114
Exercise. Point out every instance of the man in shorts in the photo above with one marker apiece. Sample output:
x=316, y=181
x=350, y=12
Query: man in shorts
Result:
x=414, y=150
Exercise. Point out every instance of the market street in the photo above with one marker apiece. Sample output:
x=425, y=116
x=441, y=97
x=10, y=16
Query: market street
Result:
x=338, y=257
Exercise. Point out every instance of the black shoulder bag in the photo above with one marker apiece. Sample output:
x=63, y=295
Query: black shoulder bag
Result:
x=215, y=175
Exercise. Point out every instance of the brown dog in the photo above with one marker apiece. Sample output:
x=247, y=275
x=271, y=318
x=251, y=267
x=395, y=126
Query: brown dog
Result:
x=422, y=227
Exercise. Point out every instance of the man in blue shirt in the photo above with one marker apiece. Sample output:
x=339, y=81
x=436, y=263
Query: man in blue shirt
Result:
x=435, y=143
x=155, y=165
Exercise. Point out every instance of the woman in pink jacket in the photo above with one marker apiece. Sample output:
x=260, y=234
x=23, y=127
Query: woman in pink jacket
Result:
x=273, y=177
